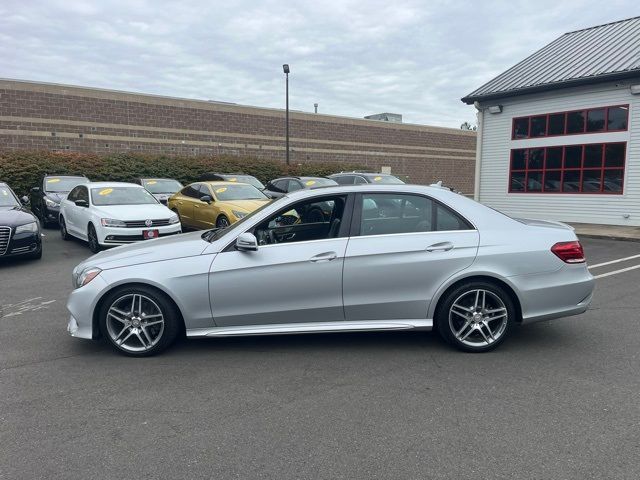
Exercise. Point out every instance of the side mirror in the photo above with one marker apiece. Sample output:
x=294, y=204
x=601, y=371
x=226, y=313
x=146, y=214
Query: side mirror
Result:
x=205, y=198
x=247, y=242
x=25, y=200
x=35, y=189
x=81, y=203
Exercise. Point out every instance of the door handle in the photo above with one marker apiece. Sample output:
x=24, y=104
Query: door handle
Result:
x=324, y=257
x=440, y=247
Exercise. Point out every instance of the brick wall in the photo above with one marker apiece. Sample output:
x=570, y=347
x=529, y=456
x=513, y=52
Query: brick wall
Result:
x=58, y=117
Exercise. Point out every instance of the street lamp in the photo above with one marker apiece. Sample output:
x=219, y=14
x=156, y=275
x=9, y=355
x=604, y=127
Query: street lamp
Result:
x=285, y=69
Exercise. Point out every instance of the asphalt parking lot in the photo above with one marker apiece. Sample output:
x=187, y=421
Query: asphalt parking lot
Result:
x=557, y=400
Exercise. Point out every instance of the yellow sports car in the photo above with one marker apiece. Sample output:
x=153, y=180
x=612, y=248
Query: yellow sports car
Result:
x=204, y=205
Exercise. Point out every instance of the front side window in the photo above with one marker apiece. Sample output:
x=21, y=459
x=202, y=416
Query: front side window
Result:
x=390, y=213
x=344, y=180
x=83, y=194
x=315, y=219
x=104, y=196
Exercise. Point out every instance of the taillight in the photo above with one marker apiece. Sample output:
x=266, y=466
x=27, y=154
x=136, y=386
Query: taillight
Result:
x=569, y=252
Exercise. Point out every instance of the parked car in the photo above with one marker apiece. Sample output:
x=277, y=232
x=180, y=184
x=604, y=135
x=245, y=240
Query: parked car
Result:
x=160, y=188
x=111, y=213
x=19, y=227
x=441, y=261
x=231, y=177
x=356, y=178
x=45, y=199
x=204, y=205
x=281, y=186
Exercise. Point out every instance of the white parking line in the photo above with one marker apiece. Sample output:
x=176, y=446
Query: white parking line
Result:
x=614, y=261
x=615, y=272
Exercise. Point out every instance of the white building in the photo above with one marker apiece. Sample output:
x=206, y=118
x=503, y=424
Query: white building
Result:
x=559, y=133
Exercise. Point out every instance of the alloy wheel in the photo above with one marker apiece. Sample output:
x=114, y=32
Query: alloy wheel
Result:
x=222, y=222
x=135, y=322
x=478, y=318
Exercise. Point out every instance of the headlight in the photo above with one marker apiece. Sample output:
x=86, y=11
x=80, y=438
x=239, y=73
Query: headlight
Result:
x=85, y=276
x=29, y=227
x=174, y=219
x=239, y=214
x=50, y=203
x=110, y=222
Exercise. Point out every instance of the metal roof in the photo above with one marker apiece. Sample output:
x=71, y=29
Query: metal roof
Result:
x=604, y=52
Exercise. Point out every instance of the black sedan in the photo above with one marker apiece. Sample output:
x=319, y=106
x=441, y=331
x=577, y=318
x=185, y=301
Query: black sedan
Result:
x=19, y=228
x=281, y=186
x=45, y=199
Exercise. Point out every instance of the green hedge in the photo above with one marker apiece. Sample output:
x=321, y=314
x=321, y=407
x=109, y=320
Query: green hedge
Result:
x=24, y=169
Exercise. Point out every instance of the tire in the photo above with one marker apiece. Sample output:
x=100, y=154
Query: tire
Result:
x=475, y=316
x=92, y=239
x=222, y=221
x=42, y=215
x=63, y=230
x=128, y=332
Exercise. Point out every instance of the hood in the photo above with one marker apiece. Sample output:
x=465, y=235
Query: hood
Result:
x=14, y=216
x=544, y=223
x=147, y=251
x=246, y=205
x=56, y=196
x=134, y=212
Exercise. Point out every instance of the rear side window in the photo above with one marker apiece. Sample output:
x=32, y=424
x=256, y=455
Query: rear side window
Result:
x=386, y=214
x=191, y=191
x=343, y=180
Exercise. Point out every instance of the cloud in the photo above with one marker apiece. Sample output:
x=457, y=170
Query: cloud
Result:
x=352, y=57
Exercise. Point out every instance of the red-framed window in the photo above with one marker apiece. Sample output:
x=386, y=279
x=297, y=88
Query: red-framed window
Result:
x=614, y=118
x=592, y=168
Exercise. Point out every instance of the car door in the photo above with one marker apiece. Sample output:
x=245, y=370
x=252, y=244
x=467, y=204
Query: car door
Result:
x=402, y=248
x=184, y=203
x=78, y=216
x=67, y=210
x=203, y=211
x=295, y=276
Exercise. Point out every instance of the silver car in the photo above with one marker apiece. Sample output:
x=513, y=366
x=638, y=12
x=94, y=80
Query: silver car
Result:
x=354, y=258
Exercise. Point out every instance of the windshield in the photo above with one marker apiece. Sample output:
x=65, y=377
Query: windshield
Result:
x=246, y=179
x=7, y=198
x=238, y=192
x=315, y=182
x=62, y=184
x=121, y=196
x=386, y=180
x=161, y=185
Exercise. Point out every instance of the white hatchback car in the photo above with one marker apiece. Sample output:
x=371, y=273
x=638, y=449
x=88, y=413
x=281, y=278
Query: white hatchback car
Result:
x=110, y=213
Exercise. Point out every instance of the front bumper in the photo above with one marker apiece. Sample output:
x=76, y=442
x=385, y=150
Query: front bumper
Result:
x=26, y=243
x=51, y=214
x=81, y=305
x=123, y=236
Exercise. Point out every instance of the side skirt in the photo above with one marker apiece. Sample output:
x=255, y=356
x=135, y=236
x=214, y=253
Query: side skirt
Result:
x=312, y=327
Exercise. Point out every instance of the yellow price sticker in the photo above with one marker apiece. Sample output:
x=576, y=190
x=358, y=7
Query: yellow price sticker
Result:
x=151, y=182
x=377, y=179
x=53, y=180
x=221, y=190
x=105, y=191
x=234, y=179
x=310, y=182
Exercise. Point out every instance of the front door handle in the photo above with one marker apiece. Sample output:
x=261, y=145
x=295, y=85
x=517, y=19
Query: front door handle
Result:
x=324, y=257
x=440, y=247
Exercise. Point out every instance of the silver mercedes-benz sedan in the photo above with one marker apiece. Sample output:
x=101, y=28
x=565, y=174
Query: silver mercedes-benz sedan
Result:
x=352, y=258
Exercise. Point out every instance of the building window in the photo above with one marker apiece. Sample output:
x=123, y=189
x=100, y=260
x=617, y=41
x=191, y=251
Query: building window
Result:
x=594, y=120
x=584, y=169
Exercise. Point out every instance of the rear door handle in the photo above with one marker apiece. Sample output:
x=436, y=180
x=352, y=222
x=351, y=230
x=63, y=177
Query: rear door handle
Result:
x=324, y=257
x=440, y=247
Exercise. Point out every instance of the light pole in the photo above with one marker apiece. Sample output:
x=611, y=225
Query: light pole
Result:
x=286, y=70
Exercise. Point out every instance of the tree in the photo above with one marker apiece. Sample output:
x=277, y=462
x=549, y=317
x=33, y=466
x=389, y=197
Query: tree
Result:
x=468, y=126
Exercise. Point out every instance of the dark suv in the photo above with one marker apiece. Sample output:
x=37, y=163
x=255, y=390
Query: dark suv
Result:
x=231, y=177
x=45, y=199
x=354, y=178
x=280, y=186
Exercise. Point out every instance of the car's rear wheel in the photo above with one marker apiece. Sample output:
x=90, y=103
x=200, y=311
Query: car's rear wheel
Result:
x=92, y=239
x=475, y=316
x=139, y=321
x=222, y=222
x=63, y=229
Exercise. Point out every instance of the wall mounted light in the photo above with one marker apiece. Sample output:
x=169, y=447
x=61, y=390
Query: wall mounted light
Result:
x=495, y=109
x=635, y=89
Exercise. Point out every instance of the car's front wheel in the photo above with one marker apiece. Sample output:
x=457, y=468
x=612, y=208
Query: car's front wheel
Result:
x=63, y=229
x=139, y=321
x=92, y=239
x=475, y=316
x=222, y=222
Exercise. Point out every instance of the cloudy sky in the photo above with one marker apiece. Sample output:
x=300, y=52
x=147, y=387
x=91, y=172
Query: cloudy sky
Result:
x=352, y=57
